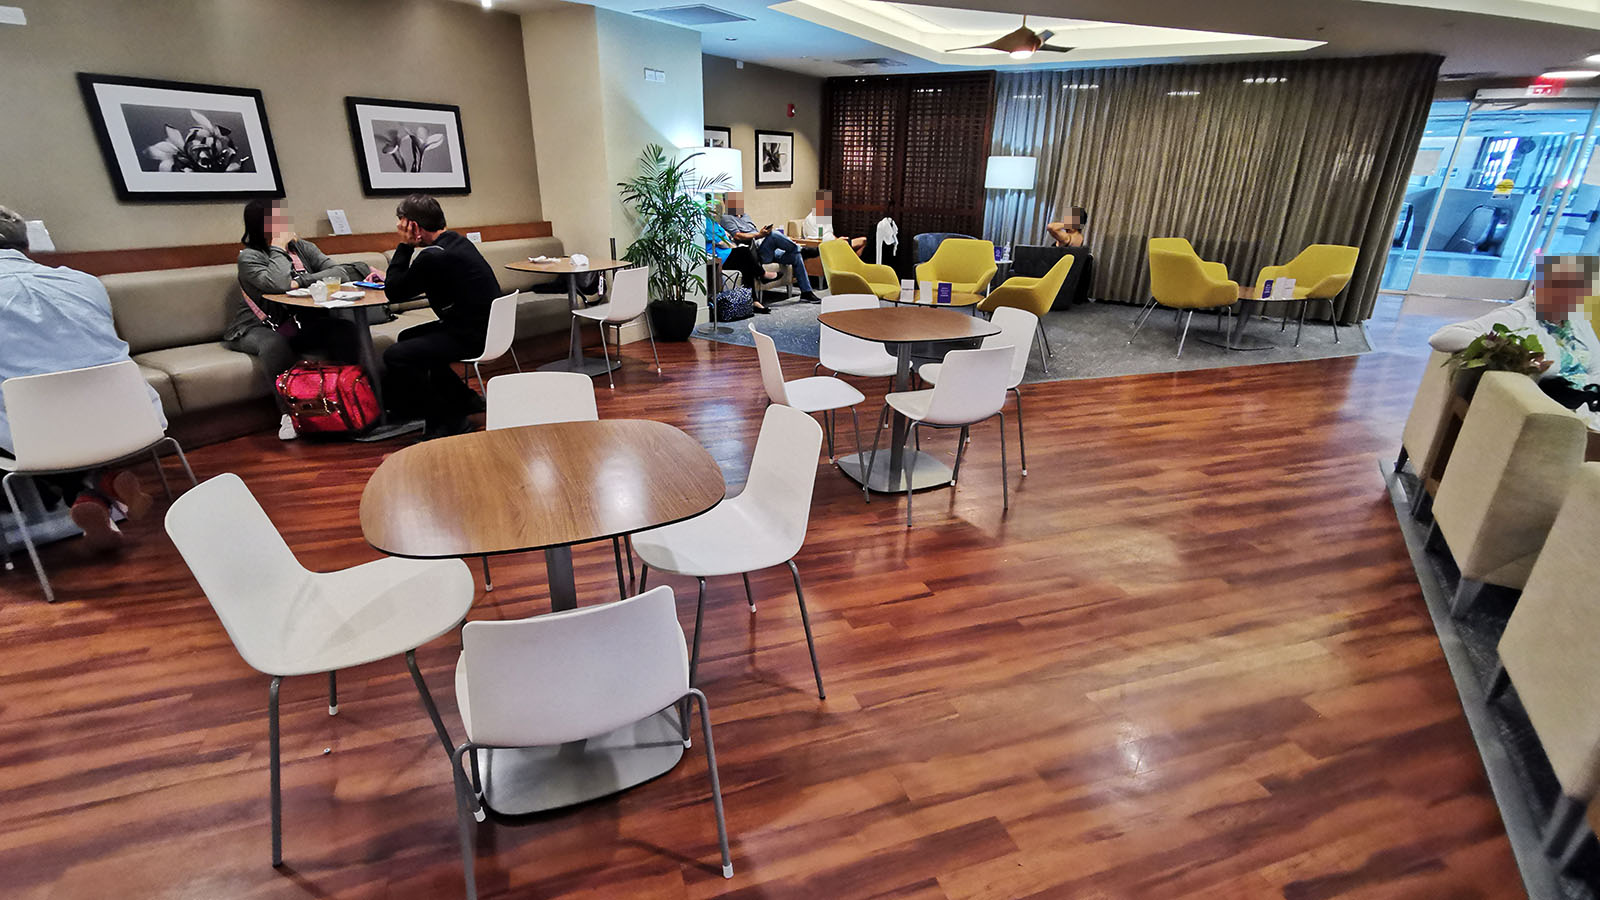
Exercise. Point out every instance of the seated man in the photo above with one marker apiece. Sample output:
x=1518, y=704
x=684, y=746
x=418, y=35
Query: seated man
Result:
x=771, y=247
x=460, y=286
x=1069, y=233
x=1553, y=312
x=54, y=320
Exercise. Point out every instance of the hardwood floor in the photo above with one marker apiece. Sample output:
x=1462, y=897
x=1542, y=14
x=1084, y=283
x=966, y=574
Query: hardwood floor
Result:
x=1192, y=661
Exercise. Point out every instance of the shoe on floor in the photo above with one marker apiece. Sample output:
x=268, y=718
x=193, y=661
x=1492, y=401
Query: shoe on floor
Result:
x=124, y=487
x=93, y=516
x=809, y=297
x=286, y=430
x=762, y=310
x=446, y=429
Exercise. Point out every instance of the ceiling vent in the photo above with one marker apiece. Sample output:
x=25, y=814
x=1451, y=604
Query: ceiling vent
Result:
x=879, y=62
x=697, y=15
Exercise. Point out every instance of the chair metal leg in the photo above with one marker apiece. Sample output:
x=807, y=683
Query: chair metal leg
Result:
x=488, y=583
x=644, y=575
x=333, y=693
x=514, y=361
x=464, y=815
x=155, y=457
x=1045, y=336
x=651, y=331
x=1022, y=440
x=805, y=620
x=27, y=539
x=1038, y=343
x=1005, y=476
x=605, y=350
x=616, y=550
x=1468, y=590
x=872, y=459
x=961, y=451
x=1333, y=316
x=1400, y=461
x=855, y=425
x=1434, y=539
x=1566, y=817
x=1302, y=326
x=627, y=545
x=911, y=469
x=1498, y=682
x=427, y=701
x=272, y=753
x=1185, y=334
x=1144, y=314
x=699, y=613
x=827, y=430
x=1569, y=857
x=482, y=388
x=178, y=449
x=716, y=785
x=747, y=595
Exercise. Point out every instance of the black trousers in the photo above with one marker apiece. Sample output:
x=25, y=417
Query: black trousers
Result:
x=420, y=380
x=1562, y=391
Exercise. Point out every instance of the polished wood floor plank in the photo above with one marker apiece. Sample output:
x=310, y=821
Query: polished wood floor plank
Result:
x=1192, y=661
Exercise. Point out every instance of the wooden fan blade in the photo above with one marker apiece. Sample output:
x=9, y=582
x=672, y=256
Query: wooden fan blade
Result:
x=1051, y=48
x=988, y=46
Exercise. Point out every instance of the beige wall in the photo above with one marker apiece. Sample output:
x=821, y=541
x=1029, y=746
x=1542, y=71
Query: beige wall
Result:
x=758, y=97
x=305, y=56
x=561, y=49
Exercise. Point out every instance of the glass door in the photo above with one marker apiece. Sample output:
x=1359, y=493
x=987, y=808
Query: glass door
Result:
x=1497, y=182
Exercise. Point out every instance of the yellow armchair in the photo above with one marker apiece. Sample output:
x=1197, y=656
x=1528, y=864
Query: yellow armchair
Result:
x=1036, y=295
x=966, y=263
x=1214, y=270
x=1181, y=280
x=847, y=273
x=1320, y=272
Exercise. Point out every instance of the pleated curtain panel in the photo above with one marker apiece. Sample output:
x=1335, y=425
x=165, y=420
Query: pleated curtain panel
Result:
x=1249, y=161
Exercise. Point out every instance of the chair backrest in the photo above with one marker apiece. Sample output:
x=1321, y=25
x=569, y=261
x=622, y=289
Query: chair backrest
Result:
x=1051, y=283
x=80, y=418
x=962, y=259
x=1173, y=244
x=502, y=327
x=539, y=398
x=566, y=676
x=836, y=256
x=835, y=344
x=247, y=572
x=972, y=385
x=630, y=294
x=1175, y=276
x=783, y=473
x=771, y=368
x=1017, y=327
x=928, y=242
x=1324, y=269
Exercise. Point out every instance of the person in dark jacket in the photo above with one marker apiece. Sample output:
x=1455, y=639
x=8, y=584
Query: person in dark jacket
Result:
x=460, y=286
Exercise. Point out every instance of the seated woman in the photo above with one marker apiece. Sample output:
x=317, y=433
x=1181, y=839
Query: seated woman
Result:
x=740, y=259
x=275, y=260
x=1553, y=312
x=1070, y=232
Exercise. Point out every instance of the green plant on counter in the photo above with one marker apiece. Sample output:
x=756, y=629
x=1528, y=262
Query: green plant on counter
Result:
x=1501, y=350
x=668, y=203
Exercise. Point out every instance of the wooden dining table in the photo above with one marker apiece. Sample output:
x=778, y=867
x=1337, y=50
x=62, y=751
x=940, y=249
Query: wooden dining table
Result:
x=575, y=361
x=547, y=487
x=903, y=329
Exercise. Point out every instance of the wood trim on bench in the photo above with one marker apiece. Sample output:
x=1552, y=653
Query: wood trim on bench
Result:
x=144, y=259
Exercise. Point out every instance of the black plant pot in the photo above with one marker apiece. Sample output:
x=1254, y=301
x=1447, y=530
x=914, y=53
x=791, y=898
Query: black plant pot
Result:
x=673, y=320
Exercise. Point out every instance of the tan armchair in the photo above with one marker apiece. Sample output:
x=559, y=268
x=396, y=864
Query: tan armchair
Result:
x=1420, y=441
x=1549, y=653
x=1505, y=481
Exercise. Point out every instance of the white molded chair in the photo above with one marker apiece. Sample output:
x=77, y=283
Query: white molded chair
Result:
x=971, y=388
x=764, y=526
x=75, y=420
x=819, y=393
x=569, y=676
x=630, y=295
x=1017, y=328
x=849, y=355
x=285, y=620
x=544, y=398
x=497, y=340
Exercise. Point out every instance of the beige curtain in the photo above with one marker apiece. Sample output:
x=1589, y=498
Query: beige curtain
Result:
x=1249, y=161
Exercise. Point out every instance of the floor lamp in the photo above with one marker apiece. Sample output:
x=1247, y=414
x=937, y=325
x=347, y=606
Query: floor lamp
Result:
x=1011, y=173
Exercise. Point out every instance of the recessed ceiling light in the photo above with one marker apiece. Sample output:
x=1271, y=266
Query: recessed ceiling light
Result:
x=1593, y=59
x=1571, y=74
x=487, y=4
x=735, y=39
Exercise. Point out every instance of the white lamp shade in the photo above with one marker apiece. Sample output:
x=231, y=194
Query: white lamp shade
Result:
x=716, y=161
x=1011, y=173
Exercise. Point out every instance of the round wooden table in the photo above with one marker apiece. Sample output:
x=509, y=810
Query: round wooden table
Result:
x=899, y=329
x=354, y=311
x=575, y=361
x=547, y=487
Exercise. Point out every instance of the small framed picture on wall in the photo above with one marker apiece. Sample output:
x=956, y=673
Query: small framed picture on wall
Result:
x=718, y=136
x=403, y=147
x=173, y=140
x=774, y=157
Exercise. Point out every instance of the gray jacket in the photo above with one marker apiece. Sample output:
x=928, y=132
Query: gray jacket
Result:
x=271, y=272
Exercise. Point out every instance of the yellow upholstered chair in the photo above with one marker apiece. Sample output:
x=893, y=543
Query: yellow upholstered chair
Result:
x=1036, y=295
x=967, y=263
x=1320, y=272
x=847, y=273
x=1181, y=280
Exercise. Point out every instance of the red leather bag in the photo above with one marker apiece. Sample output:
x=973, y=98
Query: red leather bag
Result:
x=328, y=399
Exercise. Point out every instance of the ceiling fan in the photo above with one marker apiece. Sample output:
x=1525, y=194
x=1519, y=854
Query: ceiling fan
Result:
x=1022, y=43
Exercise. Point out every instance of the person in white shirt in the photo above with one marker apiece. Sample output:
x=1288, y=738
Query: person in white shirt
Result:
x=54, y=320
x=1553, y=312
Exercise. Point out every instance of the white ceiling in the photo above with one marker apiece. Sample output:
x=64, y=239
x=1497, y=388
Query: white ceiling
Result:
x=1478, y=37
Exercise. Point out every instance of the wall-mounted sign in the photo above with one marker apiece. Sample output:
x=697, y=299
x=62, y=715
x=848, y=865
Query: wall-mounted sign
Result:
x=1545, y=89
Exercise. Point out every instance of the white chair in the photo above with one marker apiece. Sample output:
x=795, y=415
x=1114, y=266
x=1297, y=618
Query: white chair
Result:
x=544, y=398
x=971, y=388
x=570, y=676
x=848, y=355
x=819, y=393
x=79, y=419
x=286, y=621
x=630, y=295
x=497, y=340
x=1017, y=328
x=764, y=526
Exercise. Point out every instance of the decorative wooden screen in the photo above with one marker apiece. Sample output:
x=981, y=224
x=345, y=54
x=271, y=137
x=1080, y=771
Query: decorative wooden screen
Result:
x=911, y=147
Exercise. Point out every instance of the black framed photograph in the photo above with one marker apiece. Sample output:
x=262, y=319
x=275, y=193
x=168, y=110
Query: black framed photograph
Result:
x=173, y=140
x=403, y=147
x=774, y=157
x=718, y=136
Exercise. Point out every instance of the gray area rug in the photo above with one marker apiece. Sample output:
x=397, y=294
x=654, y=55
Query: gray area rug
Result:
x=1091, y=341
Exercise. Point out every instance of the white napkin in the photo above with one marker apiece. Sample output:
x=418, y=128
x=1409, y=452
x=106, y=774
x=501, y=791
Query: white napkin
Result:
x=347, y=295
x=542, y=258
x=300, y=292
x=579, y=260
x=331, y=304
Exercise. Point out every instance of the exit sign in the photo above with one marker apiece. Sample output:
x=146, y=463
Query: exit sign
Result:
x=1545, y=89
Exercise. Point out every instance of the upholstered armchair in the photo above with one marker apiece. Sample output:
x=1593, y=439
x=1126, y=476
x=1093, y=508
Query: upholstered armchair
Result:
x=1036, y=295
x=1506, y=478
x=967, y=263
x=847, y=273
x=1320, y=272
x=1430, y=413
x=1181, y=280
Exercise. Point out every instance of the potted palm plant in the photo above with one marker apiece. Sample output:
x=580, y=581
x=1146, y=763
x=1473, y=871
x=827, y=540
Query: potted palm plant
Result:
x=668, y=203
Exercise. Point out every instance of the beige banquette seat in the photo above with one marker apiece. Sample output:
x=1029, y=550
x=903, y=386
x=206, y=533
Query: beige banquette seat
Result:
x=173, y=320
x=1430, y=412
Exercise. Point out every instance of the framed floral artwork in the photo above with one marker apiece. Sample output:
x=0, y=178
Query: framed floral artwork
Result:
x=404, y=147
x=172, y=140
x=774, y=157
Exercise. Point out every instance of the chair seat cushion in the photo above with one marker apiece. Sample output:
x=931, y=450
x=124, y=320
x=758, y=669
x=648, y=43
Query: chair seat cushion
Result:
x=206, y=376
x=162, y=382
x=911, y=404
x=821, y=392
x=731, y=538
